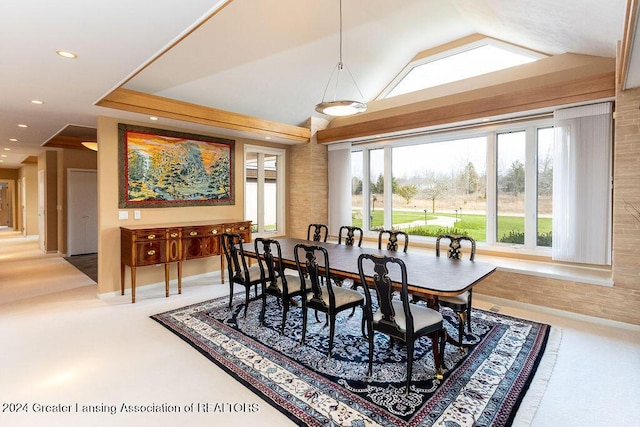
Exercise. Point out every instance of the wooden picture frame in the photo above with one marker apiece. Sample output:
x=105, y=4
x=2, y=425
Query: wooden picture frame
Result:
x=160, y=168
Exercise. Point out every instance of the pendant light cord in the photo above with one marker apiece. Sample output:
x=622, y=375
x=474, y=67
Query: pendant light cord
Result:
x=340, y=34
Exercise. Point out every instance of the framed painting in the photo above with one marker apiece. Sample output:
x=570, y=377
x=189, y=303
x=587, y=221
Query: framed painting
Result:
x=160, y=168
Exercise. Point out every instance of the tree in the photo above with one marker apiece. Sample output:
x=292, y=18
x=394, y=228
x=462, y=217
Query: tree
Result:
x=513, y=180
x=407, y=192
x=545, y=176
x=468, y=179
x=435, y=187
x=356, y=185
x=378, y=186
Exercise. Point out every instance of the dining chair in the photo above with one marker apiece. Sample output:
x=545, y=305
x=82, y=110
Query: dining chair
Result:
x=395, y=317
x=317, y=232
x=460, y=304
x=350, y=235
x=323, y=296
x=238, y=270
x=274, y=280
x=392, y=237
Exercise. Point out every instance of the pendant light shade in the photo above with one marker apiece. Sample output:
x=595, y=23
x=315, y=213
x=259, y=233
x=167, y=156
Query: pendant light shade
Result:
x=340, y=80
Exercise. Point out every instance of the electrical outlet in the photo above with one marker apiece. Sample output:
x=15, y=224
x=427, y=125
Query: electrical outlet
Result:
x=136, y=214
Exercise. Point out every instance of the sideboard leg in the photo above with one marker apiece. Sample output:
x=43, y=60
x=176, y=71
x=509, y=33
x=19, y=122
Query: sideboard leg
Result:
x=133, y=285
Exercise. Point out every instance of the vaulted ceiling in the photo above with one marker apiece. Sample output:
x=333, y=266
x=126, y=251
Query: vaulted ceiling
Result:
x=266, y=59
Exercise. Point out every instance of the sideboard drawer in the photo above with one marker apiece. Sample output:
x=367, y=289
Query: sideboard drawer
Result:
x=241, y=228
x=150, y=235
x=150, y=253
x=201, y=242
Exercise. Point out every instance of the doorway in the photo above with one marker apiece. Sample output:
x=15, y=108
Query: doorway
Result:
x=82, y=211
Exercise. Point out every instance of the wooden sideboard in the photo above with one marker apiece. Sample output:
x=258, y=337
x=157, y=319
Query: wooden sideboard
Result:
x=144, y=245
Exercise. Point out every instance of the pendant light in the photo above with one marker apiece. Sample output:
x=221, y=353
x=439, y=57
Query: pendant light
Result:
x=337, y=106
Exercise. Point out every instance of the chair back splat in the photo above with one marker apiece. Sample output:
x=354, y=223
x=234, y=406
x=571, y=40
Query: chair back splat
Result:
x=455, y=250
x=393, y=240
x=351, y=235
x=317, y=232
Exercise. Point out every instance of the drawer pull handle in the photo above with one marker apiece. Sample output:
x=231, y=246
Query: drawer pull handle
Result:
x=242, y=228
x=151, y=236
x=193, y=233
x=151, y=252
x=215, y=231
x=228, y=230
x=174, y=234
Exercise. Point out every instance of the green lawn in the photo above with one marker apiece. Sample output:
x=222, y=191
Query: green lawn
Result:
x=473, y=225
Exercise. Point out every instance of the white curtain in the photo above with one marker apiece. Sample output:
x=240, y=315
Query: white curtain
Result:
x=339, y=166
x=582, y=184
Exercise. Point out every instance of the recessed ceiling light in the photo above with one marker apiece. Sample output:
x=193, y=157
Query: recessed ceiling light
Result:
x=21, y=125
x=7, y=149
x=153, y=118
x=13, y=140
x=66, y=54
x=267, y=137
x=37, y=102
x=3, y=155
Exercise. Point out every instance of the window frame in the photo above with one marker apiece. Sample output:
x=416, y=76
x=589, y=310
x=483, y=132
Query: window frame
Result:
x=490, y=132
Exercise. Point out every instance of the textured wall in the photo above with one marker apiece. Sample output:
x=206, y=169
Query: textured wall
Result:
x=626, y=192
x=308, y=186
x=607, y=302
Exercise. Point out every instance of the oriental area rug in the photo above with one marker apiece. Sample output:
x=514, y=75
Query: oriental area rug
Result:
x=482, y=386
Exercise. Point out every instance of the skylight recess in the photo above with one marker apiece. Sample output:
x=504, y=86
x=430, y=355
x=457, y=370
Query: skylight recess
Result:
x=470, y=60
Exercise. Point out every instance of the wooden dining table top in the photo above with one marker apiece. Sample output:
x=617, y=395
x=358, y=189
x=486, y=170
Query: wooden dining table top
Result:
x=426, y=275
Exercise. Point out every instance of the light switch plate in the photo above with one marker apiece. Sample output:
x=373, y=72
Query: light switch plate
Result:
x=123, y=215
x=136, y=214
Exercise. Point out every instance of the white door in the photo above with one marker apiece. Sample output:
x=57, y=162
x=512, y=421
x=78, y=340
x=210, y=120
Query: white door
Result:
x=82, y=211
x=41, y=194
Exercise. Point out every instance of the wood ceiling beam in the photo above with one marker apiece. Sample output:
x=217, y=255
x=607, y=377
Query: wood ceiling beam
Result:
x=138, y=102
x=478, y=105
x=629, y=34
x=74, y=142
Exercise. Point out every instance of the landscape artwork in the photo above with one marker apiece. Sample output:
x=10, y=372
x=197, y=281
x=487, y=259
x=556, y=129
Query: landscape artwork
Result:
x=160, y=168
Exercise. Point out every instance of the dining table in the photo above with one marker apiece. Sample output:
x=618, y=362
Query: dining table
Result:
x=427, y=276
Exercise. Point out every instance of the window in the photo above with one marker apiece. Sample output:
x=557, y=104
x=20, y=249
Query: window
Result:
x=511, y=187
x=493, y=183
x=469, y=60
x=377, y=188
x=545, y=187
x=442, y=191
x=264, y=189
x=542, y=185
x=357, y=188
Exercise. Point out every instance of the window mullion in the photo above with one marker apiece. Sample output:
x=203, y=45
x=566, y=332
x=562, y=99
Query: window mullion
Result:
x=261, y=193
x=388, y=189
x=492, y=187
x=366, y=180
x=530, y=188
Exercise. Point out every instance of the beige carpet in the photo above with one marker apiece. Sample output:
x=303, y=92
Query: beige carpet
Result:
x=26, y=272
